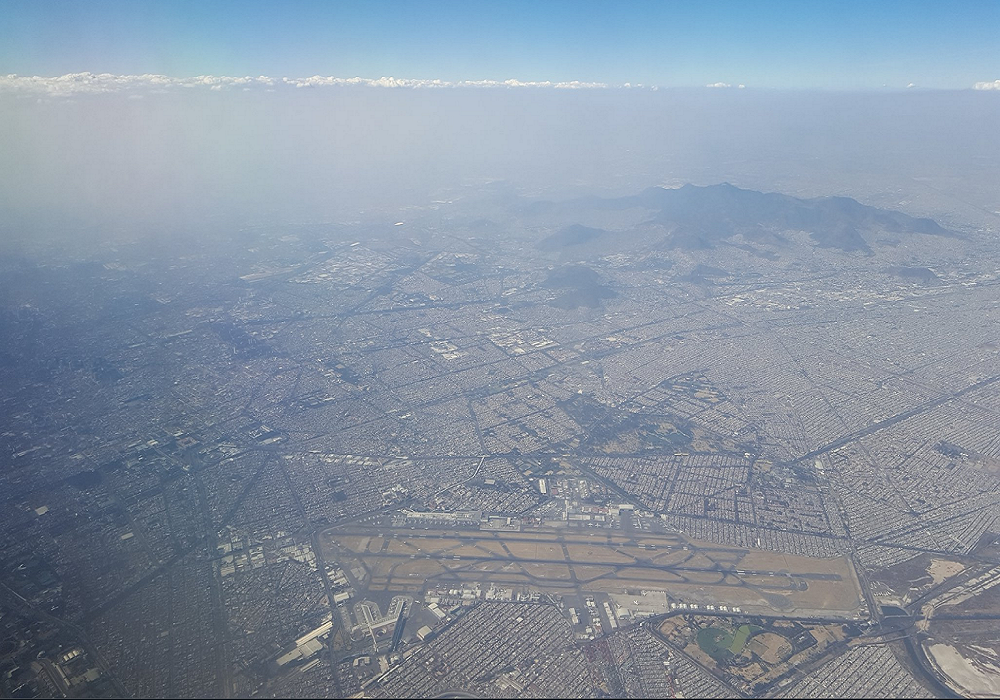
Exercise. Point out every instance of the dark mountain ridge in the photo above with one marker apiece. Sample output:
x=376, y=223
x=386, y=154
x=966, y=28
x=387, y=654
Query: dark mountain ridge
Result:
x=580, y=286
x=701, y=217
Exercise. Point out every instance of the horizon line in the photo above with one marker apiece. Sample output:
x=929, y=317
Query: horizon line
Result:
x=89, y=83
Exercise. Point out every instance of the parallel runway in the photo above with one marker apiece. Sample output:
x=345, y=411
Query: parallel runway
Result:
x=642, y=554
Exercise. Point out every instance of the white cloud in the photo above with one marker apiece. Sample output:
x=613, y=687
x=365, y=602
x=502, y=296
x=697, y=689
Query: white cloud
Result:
x=987, y=85
x=103, y=83
x=719, y=85
x=320, y=81
x=107, y=83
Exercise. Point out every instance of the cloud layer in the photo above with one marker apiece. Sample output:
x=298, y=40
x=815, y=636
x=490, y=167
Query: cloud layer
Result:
x=105, y=83
x=109, y=83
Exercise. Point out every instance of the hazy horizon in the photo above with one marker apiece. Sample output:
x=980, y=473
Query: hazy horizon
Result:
x=175, y=158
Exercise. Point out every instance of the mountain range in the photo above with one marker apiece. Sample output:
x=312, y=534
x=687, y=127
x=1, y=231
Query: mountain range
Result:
x=702, y=217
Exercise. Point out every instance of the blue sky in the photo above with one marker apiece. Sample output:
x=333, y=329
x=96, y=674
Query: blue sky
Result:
x=829, y=45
